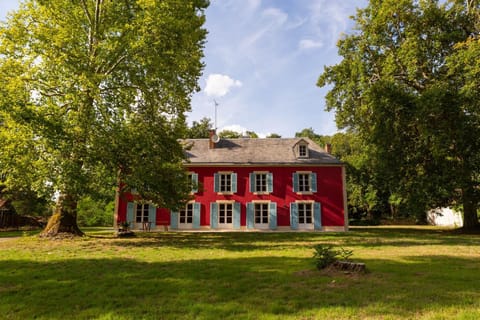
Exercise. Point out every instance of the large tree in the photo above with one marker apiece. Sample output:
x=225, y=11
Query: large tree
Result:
x=94, y=92
x=200, y=129
x=406, y=88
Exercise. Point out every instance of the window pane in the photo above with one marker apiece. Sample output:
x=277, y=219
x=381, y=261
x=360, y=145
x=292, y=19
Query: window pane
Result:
x=225, y=182
x=303, y=182
x=260, y=182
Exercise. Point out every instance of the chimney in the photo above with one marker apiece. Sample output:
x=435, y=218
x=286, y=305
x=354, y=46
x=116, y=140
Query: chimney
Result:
x=328, y=148
x=211, y=143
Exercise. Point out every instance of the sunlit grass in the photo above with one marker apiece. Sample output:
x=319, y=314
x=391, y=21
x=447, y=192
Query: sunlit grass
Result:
x=413, y=273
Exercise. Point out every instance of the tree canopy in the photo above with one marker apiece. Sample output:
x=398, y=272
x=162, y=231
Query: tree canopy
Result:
x=93, y=92
x=408, y=86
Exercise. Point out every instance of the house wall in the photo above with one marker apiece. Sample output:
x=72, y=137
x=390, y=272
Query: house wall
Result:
x=329, y=194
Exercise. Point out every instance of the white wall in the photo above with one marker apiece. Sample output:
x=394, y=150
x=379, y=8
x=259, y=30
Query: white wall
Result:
x=446, y=217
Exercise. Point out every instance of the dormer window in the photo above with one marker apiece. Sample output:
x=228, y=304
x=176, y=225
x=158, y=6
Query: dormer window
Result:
x=301, y=149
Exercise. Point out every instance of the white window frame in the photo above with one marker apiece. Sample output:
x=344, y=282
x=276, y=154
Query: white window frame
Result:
x=304, y=182
x=184, y=213
x=302, y=151
x=141, y=212
x=263, y=176
x=264, y=212
x=222, y=176
x=305, y=213
x=225, y=207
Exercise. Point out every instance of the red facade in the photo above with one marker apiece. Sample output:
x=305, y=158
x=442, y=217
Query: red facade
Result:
x=330, y=194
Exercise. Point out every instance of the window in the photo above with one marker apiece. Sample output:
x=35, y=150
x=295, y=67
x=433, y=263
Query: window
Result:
x=304, y=182
x=261, y=182
x=225, y=213
x=141, y=213
x=305, y=213
x=302, y=151
x=261, y=213
x=186, y=215
x=225, y=182
x=193, y=178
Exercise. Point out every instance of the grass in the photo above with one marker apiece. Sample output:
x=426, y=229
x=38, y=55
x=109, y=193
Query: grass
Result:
x=413, y=273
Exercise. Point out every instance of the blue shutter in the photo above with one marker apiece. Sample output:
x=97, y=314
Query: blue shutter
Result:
x=250, y=215
x=252, y=182
x=295, y=182
x=213, y=215
x=234, y=182
x=152, y=215
x=270, y=182
x=272, y=221
x=194, y=182
x=216, y=182
x=196, y=215
x=174, y=219
x=294, y=216
x=236, y=215
x=313, y=182
x=130, y=215
x=317, y=216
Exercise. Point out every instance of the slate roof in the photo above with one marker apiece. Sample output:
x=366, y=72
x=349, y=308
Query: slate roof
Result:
x=250, y=151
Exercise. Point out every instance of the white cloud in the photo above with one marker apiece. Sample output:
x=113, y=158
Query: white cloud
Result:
x=219, y=85
x=329, y=19
x=277, y=16
x=309, y=44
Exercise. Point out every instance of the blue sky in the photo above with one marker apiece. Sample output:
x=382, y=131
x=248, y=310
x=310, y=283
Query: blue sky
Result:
x=263, y=58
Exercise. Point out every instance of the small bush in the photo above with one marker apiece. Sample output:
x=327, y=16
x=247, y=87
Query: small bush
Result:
x=325, y=255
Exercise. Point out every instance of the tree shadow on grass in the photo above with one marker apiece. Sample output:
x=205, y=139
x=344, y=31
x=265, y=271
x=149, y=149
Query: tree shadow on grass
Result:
x=231, y=241
x=250, y=241
x=233, y=288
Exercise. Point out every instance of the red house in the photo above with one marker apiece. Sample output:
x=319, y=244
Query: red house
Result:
x=253, y=184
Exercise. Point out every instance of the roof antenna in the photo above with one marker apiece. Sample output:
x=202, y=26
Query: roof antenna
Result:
x=216, y=105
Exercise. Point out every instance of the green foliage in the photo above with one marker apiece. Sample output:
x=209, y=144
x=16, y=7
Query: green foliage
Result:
x=310, y=133
x=200, y=129
x=274, y=135
x=229, y=134
x=325, y=255
x=95, y=92
x=408, y=88
x=91, y=213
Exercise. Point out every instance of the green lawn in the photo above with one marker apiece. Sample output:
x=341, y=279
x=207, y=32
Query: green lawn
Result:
x=413, y=273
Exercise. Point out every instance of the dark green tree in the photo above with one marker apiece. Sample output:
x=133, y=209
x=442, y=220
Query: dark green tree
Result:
x=310, y=133
x=274, y=135
x=400, y=88
x=93, y=93
x=200, y=129
x=251, y=134
x=229, y=134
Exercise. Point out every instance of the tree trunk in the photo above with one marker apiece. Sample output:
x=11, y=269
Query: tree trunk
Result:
x=470, y=217
x=64, y=220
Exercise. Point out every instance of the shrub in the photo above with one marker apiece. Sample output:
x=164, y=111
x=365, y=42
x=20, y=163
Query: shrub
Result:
x=325, y=255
